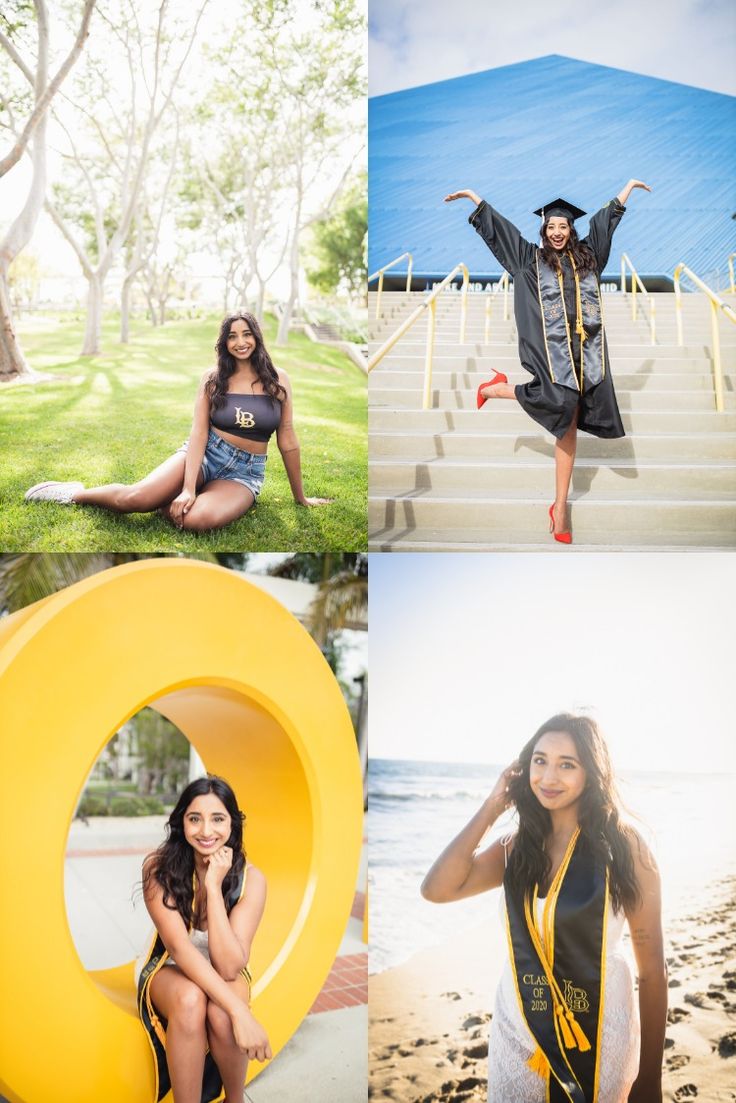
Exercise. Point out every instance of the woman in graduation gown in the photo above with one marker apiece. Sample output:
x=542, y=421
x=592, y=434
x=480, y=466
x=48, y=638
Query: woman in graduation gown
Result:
x=566, y=1027
x=206, y=902
x=559, y=319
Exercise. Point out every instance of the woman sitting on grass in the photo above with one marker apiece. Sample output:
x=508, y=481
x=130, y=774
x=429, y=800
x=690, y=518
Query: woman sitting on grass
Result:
x=206, y=902
x=217, y=475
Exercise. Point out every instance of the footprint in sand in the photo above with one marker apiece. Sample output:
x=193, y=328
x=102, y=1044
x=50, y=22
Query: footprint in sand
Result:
x=727, y=1045
x=677, y=1014
x=476, y=1053
x=677, y=1061
x=451, y=995
x=687, y=1091
x=477, y=1020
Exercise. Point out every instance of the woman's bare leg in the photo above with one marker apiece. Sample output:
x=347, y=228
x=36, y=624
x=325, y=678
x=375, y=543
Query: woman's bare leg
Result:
x=155, y=490
x=184, y=1004
x=231, y=1062
x=499, y=390
x=220, y=502
x=565, y=449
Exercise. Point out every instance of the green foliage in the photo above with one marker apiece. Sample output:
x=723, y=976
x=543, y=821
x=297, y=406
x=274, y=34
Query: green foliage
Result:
x=114, y=417
x=93, y=804
x=338, y=244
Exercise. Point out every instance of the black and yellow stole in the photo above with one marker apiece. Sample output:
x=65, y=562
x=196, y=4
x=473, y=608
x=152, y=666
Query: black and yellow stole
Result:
x=155, y=1025
x=559, y=970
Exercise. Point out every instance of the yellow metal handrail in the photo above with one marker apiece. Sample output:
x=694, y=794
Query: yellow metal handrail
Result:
x=429, y=303
x=625, y=260
x=730, y=272
x=502, y=283
x=385, y=268
x=716, y=304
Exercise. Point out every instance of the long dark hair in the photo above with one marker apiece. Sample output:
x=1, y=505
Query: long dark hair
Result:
x=582, y=254
x=601, y=829
x=172, y=865
x=216, y=386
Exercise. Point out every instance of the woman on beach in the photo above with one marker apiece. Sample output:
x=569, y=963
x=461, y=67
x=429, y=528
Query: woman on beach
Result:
x=565, y=1025
x=558, y=310
x=217, y=475
x=206, y=902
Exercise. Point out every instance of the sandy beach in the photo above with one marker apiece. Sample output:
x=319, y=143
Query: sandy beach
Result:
x=429, y=1018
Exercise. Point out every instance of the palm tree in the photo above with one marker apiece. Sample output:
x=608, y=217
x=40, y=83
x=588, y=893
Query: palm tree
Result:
x=342, y=593
x=31, y=576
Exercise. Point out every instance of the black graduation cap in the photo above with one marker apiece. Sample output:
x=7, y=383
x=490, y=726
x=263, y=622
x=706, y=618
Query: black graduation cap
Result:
x=562, y=209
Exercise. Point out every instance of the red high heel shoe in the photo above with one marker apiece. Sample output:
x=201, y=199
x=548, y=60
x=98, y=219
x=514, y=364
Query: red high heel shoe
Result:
x=561, y=537
x=499, y=377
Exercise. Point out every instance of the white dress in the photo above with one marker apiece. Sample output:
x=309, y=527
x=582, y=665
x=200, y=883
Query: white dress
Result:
x=199, y=939
x=510, y=1080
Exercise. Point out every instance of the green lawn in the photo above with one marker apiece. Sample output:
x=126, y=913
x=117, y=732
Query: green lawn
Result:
x=113, y=417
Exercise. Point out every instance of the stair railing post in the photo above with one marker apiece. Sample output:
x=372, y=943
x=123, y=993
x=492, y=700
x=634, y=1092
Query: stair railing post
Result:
x=464, y=305
x=652, y=322
x=378, y=295
x=505, y=296
x=678, y=304
x=428, y=355
x=717, y=376
x=408, y=274
x=487, y=328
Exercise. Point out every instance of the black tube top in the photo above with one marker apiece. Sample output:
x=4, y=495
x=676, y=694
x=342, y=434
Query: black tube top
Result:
x=251, y=416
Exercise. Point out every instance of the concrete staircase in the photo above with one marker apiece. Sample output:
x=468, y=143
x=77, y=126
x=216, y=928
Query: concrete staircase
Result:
x=454, y=478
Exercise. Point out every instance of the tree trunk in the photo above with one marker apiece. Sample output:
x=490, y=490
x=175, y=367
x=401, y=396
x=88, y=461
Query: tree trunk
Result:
x=91, y=346
x=12, y=361
x=125, y=310
x=261, y=301
x=282, y=337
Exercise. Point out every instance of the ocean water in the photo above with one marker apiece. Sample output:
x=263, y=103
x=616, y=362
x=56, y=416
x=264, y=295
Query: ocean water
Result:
x=416, y=808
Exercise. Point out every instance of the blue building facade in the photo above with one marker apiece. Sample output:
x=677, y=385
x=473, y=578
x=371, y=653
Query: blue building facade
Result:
x=522, y=134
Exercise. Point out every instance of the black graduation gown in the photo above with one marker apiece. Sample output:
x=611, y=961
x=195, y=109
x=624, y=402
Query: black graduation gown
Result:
x=553, y=404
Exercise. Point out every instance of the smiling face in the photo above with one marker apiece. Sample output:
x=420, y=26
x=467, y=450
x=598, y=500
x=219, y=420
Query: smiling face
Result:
x=241, y=342
x=556, y=775
x=207, y=824
x=558, y=232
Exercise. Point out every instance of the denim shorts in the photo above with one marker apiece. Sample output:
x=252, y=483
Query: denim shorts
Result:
x=224, y=461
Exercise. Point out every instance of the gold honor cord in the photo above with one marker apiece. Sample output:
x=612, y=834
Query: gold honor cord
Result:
x=567, y=324
x=579, y=329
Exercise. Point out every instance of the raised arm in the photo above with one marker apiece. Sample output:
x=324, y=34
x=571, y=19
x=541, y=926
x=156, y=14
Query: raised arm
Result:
x=288, y=443
x=645, y=924
x=504, y=240
x=626, y=191
x=459, y=871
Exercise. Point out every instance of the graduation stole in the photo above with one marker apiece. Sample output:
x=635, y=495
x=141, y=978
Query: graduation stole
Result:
x=559, y=972
x=212, y=1090
x=556, y=327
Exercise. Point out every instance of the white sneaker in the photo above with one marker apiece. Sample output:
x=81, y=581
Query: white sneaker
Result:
x=53, y=492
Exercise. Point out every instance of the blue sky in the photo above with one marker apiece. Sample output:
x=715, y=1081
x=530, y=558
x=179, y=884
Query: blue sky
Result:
x=471, y=653
x=690, y=41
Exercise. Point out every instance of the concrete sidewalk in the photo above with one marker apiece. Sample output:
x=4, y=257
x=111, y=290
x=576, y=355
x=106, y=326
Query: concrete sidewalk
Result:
x=326, y=1059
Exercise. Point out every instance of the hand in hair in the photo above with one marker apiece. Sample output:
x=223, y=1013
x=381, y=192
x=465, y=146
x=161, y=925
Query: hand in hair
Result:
x=500, y=792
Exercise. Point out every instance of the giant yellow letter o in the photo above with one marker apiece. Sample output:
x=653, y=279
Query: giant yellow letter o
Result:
x=249, y=688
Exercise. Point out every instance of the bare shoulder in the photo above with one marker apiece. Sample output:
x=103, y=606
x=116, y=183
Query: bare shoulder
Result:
x=208, y=376
x=255, y=878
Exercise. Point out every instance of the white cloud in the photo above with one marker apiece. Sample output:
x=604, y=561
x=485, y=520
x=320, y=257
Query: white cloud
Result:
x=686, y=40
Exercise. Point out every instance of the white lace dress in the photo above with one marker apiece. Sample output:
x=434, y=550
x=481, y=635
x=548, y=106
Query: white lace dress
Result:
x=510, y=1080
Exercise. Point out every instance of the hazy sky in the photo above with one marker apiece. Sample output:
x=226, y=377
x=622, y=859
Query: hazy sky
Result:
x=469, y=654
x=691, y=41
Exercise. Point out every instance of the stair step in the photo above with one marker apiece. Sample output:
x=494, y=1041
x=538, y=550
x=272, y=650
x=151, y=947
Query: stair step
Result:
x=664, y=447
x=635, y=477
x=696, y=401
x=507, y=417
x=521, y=518
x=409, y=378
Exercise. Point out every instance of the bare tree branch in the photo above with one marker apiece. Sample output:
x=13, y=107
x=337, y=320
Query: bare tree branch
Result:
x=43, y=101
